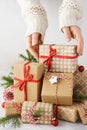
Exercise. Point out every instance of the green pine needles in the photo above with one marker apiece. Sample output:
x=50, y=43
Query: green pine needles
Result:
x=13, y=120
x=77, y=95
x=8, y=80
x=38, y=113
x=29, y=57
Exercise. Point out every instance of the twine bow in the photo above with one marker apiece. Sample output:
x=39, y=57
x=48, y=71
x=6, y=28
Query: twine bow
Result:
x=52, y=52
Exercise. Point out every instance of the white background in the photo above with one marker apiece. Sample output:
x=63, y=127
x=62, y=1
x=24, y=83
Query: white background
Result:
x=12, y=42
x=12, y=31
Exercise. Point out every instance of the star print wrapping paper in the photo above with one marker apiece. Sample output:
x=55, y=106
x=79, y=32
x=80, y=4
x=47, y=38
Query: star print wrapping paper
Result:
x=60, y=92
x=58, y=58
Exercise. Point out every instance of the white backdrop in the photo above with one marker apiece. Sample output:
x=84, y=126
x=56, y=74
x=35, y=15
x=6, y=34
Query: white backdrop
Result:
x=12, y=31
x=12, y=43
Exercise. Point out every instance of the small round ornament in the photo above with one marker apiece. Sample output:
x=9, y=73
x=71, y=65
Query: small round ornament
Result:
x=81, y=68
x=54, y=122
x=3, y=105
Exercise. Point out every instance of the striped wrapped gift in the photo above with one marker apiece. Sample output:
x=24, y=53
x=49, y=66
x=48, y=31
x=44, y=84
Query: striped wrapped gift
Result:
x=37, y=113
x=58, y=58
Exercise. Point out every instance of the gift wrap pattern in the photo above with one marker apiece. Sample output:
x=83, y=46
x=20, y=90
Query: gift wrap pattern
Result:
x=12, y=108
x=82, y=110
x=58, y=58
x=37, y=113
x=61, y=91
x=80, y=78
x=69, y=113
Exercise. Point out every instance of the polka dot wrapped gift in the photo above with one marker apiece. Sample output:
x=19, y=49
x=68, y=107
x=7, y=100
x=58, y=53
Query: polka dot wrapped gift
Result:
x=38, y=112
x=58, y=58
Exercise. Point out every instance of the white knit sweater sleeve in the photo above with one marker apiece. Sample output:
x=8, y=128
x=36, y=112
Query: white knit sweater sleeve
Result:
x=35, y=16
x=70, y=12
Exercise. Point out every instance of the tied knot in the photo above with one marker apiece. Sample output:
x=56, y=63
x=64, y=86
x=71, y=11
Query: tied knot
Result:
x=28, y=78
x=52, y=52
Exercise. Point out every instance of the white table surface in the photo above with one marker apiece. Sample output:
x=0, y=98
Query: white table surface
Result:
x=63, y=125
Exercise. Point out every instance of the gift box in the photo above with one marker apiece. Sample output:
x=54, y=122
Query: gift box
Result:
x=58, y=58
x=12, y=108
x=83, y=113
x=27, y=81
x=57, y=88
x=37, y=112
x=69, y=113
x=80, y=84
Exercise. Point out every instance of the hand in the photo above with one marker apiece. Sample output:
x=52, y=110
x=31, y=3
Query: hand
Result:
x=75, y=33
x=33, y=42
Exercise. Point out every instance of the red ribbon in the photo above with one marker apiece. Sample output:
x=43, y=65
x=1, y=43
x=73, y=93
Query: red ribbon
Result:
x=52, y=53
x=27, y=78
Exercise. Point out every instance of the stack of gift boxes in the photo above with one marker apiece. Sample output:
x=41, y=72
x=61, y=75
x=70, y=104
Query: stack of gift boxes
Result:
x=43, y=91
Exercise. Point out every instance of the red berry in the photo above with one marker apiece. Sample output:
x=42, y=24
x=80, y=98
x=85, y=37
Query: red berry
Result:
x=3, y=105
x=54, y=122
x=81, y=68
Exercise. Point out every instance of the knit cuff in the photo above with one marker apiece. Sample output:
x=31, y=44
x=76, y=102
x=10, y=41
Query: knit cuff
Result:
x=36, y=24
x=67, y=19
x=69, y=13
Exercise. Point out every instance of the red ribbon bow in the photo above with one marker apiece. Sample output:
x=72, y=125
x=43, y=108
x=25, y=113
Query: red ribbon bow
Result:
x=27, y=78
x=52, y=52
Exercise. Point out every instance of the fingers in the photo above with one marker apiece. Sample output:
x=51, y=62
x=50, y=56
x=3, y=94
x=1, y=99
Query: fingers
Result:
x=67, y=33
x=80, y=43
x=76, y=32
x=33, y=42
x=36, y=39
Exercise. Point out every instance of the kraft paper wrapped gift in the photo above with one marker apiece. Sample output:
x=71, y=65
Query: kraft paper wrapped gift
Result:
x=69, y=113
x=37, y=112
x=27, y=81
x=57, y=88
x=58, y=58
x=80, y=78
x=12, y=108
x=83, y=113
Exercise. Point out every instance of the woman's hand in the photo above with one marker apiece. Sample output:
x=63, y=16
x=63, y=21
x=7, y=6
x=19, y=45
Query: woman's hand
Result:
x=75, y=33
x=33, y=42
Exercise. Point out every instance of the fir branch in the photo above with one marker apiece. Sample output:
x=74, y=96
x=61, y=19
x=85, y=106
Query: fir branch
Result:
x=14, y=120
x=23, y=57
x=7, y=81
x=77, y=95
x=29, y=57
x=38, y=113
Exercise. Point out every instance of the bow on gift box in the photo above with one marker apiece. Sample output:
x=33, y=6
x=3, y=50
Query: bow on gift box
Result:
x=27, y=78
x=52, y=52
